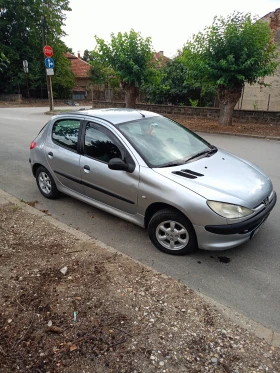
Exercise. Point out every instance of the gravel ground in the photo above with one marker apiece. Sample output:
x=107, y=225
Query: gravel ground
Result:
x=72, y=306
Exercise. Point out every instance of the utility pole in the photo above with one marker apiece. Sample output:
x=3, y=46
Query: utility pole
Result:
x=50, y=97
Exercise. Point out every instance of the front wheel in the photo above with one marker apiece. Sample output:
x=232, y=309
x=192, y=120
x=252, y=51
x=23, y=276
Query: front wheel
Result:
x=171, y=232
x=46, y=183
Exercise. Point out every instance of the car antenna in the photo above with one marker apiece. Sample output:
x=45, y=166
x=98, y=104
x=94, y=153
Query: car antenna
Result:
x=141, y=113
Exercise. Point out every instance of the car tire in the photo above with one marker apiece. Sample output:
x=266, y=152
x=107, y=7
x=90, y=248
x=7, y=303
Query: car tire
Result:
x=171, y=232
x=46, y=183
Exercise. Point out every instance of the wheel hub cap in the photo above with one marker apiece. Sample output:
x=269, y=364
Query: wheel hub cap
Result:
x=45, y=182
x=172, y=235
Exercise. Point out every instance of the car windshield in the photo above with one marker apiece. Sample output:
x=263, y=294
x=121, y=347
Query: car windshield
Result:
x=163, y=142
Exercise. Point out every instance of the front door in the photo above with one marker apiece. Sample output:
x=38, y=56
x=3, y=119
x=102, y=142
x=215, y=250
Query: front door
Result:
x=62, y=155
x=114, y=188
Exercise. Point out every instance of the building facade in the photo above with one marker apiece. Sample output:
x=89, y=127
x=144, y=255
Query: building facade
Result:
x=258, y=97
x=82, y=71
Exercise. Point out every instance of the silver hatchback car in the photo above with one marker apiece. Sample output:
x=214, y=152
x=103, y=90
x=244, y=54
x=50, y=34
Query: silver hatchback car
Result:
x=154, y=172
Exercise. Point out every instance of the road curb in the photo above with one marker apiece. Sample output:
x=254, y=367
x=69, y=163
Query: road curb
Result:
x=257, y=329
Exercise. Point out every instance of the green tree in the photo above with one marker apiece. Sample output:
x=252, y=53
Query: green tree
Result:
x=21, y=39
x=232, y=51
x=3, y=62
x=153, y=88
x=177, y=89
x=64, y=79
x=102, y=73
x=130, y=56
x=170, y=85
x=87, y=55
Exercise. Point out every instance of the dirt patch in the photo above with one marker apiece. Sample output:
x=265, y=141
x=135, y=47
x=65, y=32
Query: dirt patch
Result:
x=71, y=306
x=206, y=125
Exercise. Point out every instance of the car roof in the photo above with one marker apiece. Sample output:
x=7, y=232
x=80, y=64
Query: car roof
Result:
x=115, y=115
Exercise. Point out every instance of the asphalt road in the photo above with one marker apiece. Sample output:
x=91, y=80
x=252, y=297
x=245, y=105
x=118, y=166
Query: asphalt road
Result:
x=248, y=283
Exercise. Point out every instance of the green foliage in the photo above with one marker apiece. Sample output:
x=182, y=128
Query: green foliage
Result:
x=255, y=105
x=170, y=85
x=194, y=103
x=101, y=72
x=3, y=62
x=69, y=50
x=153, y=88
x=21, y=39
x=64, y=79
x=129, y=55
x=87, y=55
x=98, y=75
x=230, y=52
x=177, y=88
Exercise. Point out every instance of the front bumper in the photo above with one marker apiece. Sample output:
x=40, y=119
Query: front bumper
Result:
x=227, y=236
x=246, y=225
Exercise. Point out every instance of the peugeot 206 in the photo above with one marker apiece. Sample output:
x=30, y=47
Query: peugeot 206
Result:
x=154, y=172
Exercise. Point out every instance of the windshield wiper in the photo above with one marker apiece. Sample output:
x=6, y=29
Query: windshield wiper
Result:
x=171, y=164
x=206, y=153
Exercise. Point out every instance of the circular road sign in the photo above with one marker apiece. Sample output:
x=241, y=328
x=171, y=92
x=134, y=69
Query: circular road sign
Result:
x=48, y=51
x=49, y=62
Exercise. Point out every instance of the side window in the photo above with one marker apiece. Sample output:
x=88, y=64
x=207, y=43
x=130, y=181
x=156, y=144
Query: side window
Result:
x=65, y=132
x=100, y=146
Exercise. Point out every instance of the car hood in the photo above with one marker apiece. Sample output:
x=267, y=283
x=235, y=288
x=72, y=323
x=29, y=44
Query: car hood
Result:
x=222, y=177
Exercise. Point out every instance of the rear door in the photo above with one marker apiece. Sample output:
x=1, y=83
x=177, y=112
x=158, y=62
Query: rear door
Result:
x=62, y=152
x=118, y=189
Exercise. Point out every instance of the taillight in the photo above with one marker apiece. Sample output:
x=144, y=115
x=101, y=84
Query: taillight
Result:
x=33, y=145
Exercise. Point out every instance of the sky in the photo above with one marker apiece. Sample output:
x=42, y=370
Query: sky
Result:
x=169, y=23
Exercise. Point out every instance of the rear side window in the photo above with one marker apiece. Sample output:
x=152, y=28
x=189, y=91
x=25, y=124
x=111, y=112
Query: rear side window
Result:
x=65, y=133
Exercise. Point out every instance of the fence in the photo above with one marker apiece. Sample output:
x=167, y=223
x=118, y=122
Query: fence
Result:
x=244, y=116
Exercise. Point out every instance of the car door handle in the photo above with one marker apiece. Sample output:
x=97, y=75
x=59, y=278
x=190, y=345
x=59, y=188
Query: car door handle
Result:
x=86, y=169
x=50, y=154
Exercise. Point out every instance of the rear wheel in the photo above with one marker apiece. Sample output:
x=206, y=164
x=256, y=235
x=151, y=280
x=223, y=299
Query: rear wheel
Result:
x=46, y=183
x=171, y=232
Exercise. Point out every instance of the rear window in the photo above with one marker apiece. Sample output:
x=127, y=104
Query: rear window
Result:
x=65, y=133
x=42, y=130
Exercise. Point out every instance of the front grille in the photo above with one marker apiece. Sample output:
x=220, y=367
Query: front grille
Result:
x=265, y=202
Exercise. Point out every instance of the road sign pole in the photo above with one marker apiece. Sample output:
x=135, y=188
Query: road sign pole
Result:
x=51, y=92
x=47, y=77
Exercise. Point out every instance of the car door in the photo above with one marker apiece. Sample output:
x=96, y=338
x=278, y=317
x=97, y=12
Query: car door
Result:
x=117, y=189
x=62, y=153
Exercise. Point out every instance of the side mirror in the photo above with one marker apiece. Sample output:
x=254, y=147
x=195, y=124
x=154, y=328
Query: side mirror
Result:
x=118, y=164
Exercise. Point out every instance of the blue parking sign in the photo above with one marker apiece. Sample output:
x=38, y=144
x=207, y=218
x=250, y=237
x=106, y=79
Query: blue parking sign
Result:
x=49, y=62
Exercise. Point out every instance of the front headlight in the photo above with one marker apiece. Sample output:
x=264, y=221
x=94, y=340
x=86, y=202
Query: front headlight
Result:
x=229, y=211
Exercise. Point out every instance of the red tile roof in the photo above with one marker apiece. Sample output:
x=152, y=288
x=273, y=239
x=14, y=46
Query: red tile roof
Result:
x=78, y=89
x=80, y=68
x=160, y=59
